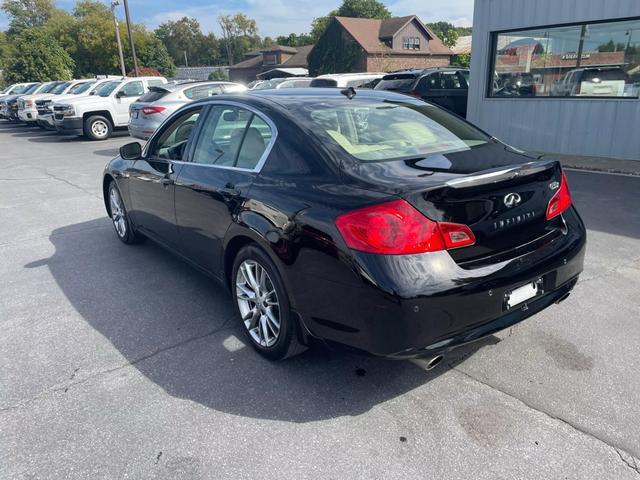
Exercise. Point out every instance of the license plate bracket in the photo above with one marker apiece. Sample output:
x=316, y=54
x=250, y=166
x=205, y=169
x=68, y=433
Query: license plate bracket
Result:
x=521, y=295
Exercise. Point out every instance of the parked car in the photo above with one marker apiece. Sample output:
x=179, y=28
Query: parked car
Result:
x=150, y=110
x=373, y=220
x=591, y=81
x=289, y=82
x=9, y=103
x=45, y=103
x=344, y=80
x=27, y=110
x=97, y=115
x=447, y=87
x=15, y=89
x=516, y=84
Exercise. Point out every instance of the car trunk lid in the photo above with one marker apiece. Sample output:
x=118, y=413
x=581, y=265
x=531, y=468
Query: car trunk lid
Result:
x=504, y=205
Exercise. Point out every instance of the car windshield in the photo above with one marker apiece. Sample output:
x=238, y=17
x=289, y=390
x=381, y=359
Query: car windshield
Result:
x=389, y=130
x=19, y=89
x=324, y=82
x=400, y=83
x=106, y=89
x=32, y=88
x=80, y=88
x=47, y=88
x=60, y=88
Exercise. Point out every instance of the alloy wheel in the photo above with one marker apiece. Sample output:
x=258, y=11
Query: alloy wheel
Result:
x=117, y=213
x=258, y=303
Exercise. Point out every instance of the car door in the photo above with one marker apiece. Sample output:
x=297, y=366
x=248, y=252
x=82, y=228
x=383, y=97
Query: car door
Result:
x=233, y=142
x=124, y=97
x=430, y=88
x=152, y=178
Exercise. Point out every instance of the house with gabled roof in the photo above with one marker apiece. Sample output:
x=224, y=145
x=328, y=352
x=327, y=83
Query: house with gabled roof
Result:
x=278, y=60
x=373, y=45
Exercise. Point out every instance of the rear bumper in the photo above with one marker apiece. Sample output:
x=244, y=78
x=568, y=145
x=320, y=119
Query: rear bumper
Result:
x=143, y=132
x=415, y=305
x=69, y=126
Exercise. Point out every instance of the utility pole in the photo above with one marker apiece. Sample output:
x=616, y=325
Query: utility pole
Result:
x=114, y=4
x=186, y=62
x=133, y=47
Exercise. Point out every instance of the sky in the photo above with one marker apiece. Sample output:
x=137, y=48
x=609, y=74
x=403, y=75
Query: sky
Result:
x=278, y=17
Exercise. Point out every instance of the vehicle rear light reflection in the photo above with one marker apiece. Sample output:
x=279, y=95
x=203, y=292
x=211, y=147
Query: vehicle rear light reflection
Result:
x=560, y=201
x=397, y=228
x=152, y=110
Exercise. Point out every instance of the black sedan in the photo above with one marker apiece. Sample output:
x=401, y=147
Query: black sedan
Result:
x=368, y=219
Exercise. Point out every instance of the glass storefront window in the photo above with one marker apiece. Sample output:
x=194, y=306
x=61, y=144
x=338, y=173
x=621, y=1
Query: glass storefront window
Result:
x=584, y=60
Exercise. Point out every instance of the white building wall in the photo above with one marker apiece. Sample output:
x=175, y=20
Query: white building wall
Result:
x=576, y=126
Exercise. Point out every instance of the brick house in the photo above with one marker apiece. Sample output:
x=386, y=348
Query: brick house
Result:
x=372, y=45
x=272, y=58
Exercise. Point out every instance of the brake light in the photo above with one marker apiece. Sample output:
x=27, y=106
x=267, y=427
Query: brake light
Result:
x=396, y=228
x=152, y=110
x=560, y=201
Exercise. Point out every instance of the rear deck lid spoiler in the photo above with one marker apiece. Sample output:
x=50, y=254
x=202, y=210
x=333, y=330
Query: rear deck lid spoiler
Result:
x=500, y=174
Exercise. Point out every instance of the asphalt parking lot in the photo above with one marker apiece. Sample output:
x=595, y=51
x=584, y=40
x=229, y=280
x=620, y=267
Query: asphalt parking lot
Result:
x=123, y=362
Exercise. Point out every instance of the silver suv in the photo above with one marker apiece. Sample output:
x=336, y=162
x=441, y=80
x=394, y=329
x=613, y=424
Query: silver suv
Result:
x=151, y=109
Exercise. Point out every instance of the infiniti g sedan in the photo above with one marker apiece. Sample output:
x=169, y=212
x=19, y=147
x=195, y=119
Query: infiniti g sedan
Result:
x=363, y=218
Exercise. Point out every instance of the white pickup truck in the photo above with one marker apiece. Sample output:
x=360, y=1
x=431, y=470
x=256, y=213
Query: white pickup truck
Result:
x=106, y=109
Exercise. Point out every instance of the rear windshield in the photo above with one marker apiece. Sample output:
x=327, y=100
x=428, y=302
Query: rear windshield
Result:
x=400, y=83
x=153, y=95
x=613, y=74
x=323, y=82
x=374, y=130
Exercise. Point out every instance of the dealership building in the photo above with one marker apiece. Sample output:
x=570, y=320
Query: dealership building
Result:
x=559, y=76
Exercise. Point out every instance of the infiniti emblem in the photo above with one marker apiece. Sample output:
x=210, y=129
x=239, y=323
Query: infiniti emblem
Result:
x=512, y=200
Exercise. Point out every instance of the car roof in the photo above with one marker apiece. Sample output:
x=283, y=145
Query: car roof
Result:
x=282, y=98
x=424, y=71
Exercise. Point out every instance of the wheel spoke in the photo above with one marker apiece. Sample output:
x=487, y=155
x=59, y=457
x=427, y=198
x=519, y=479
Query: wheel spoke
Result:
x=274, y=323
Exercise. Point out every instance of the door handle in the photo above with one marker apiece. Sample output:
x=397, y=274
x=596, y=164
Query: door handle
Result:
x=167, y=181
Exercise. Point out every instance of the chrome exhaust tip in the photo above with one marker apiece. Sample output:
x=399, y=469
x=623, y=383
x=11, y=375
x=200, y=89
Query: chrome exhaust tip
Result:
x=434, y=362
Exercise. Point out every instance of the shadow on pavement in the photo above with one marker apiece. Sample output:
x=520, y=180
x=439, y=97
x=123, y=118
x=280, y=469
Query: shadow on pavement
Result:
x=607, y=203
x=177, y=327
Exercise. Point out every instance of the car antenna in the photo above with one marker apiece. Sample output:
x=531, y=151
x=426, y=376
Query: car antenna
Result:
x=349, y=92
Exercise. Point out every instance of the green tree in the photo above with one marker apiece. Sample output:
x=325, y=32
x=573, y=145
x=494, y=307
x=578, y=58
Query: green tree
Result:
x=219, y=74
x=152, y=52
x=4, y=49
x=349, y=8
x=27, y=13
x=445, y=31
x=185, y=36
x=239, y=35
x=293, y=40
x=463, y=60
x=37, y=56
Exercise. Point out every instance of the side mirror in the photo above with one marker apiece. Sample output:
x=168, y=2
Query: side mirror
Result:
x=120, y=94
x=131, y=151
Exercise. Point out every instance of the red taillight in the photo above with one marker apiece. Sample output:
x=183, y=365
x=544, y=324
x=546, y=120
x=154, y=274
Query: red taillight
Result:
x=152, y=110
x=560, y=201
x=396, y=228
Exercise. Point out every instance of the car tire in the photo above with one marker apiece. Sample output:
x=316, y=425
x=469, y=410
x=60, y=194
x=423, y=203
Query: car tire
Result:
x=98, y=127
x=257, y=322
x=122, y=224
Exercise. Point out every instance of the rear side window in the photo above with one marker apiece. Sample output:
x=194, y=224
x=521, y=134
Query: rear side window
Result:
x=324, y=83
x=153, y=95
x=232, y=137
x=452, y=81
x=399, y=83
